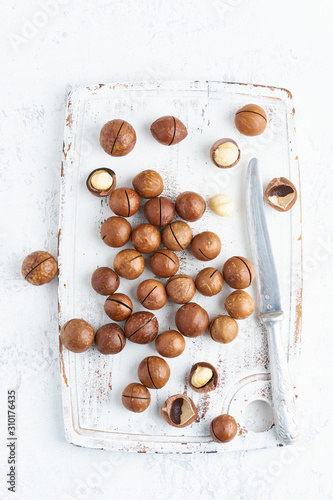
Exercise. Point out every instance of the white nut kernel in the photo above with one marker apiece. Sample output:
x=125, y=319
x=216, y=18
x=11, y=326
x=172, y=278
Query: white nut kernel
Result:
x=201, y=376
x=101, y=180
x=222, y=205
x=226, y=154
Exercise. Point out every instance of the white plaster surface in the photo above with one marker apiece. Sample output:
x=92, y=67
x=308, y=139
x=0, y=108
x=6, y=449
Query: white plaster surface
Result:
x=286, y=44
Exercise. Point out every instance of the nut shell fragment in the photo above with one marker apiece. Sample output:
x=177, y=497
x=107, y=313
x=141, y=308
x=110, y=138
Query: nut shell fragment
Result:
x=179, y=411
x=281, y=194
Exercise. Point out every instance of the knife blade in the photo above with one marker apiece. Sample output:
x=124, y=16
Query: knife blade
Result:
x=271, y=314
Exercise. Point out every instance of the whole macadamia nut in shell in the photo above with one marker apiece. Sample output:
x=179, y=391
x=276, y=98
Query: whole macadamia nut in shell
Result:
x=251, y=120
x=206, y=246
x=177, y=236
x=151, y=294
x=239, y=304
x=116, y=231
x=105, y=281
x=164, y=263
x=117, y=138
x=223, y=329
x=223, y=428
x=192, y=320
x=118, y=306
x=168, y=130
x=190, y=206
x=209, y=281
x=136, y=398
x=180, y=288
x=141, y=327
x=159, y=211
x=148, y=184
x=238, y=272
x=124, y=202
x=129, y=264
x=39, y=268
x=146, y=238
x=77, y=335
x=110, y=339
x=170, y=344
x=153, y=372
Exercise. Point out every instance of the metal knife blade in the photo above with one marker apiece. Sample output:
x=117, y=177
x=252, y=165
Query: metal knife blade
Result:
x=284, y=408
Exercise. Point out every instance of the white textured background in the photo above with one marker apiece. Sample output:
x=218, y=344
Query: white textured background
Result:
x=284, y=43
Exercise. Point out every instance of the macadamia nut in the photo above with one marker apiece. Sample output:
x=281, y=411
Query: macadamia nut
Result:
x=222, y=205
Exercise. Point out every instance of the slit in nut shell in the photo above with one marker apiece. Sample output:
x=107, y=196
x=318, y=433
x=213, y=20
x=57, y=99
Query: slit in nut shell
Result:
x=281, y=194
x=179, y=411
x=225, y=153
x=203, y=377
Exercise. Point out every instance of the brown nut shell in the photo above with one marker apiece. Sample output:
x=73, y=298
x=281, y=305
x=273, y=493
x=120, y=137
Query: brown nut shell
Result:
x=110, y=339
x=206, y=246
x=251, y=120
x=190, y=206
x=148, y=184
x=117, y=138
x=207, y=385
x=281, y=194
x=77, y=335
x=118, y=306
x=124, y=202
x=238, y=272
x=116, y=231
x=180, y=288
x=177, y=236
x=223, y=428
x=105, y=281
x=141, y=327
x=159, y=211
x=39, y=268
x=223, y=329
x=209, y=281
x=153, y=372
x=239, y=304
x=105, y=191
x=179, y=411
x=215, y=148
x=164, y=263
x=151, y=294
x=136, y=398
x=192, y=320
x=129, y=264
x=146, y=238
x=170, y=344
x=168, y=130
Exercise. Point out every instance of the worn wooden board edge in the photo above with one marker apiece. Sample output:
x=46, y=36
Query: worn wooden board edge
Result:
x=94, y=439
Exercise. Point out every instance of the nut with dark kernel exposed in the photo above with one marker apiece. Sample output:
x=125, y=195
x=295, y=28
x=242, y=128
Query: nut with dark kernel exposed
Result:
x=209, y=281
x=153, y=372
x=117, y=138
x=118, y=306
x=159, y=211
x=225, y=153
x=116, y=231
x=110, y=339
x=251, y=120
x=180, y=288
x=105, y=281
x=164, y=263
x=206, y=246
x=177, y=236
x=239, y=304
x=170, y=344
x=101, y=182
x=146, y=238
x=192, y=320
x=223, y=428
x=136, y=398
x=190, y=206
x=179, y=411
x=151, y=294
x=124, y=202
x=148, y=184
x=281, y=194
x=77, y=335
x=39, y=268
x=141, y=327
x=238, y=272
x=168, y=130
x=129, y=264
x=203, y=377
x=223, y=329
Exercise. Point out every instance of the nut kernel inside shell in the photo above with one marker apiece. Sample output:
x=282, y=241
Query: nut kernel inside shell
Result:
x=201, y=376
x=226, y=154
x=101, y=180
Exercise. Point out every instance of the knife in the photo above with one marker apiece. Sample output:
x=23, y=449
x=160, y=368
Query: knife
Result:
x=284, y=407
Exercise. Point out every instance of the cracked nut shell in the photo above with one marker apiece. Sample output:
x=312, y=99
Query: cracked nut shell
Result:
x=223, y=329
x=223, y=428
x=206, y=246
x=192, y=320
x=281, y=194
x=148, y=184
x=101, y=182
x=115, y=232
x=39, y=268
x=177, y=236
x=129, y=264
x=209, y=281
x=105, y=281
x=117, y=138
x=153, y=372
x=251, y=120
x=164, y=263
x=203, y=377
x=225, y=153
x=190, y=206
x=170, y=344
x=146, y=238
x=141, y=327
x=238, y=272
x=77, y=335
x=159, y=211
x=168, y=130
x=239, y=304
x=110, y=339
x=151, y=294
x=118, y=306
x=179, y=411
x=180, y=288
x=136, y=398
x=124, y=202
